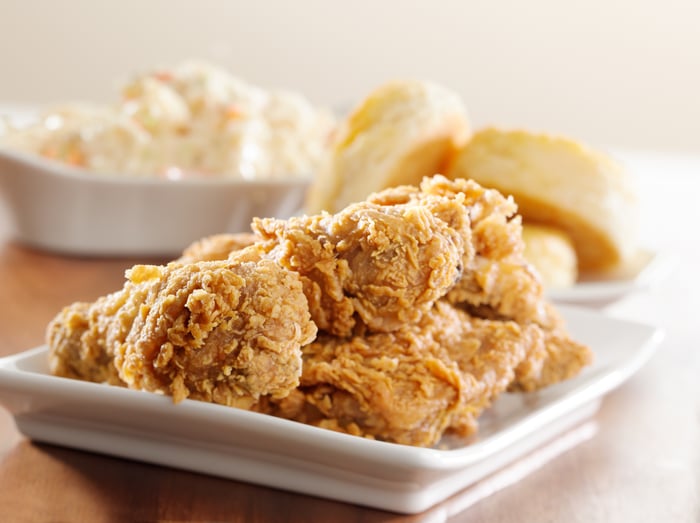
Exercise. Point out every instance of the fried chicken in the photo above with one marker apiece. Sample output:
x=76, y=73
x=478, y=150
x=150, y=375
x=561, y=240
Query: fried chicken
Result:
x=82, y=337
x=219, y=331
x=227, y=332
x=487, y=353
x=399, y=386
x=425, y=308
x=378, y=265
x=411, y=385
x=497, y=282
x=495, y=274
x=559, y=358
x=74, y=351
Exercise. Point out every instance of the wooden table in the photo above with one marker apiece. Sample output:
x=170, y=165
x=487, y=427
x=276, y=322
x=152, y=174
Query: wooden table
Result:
x=637, y=460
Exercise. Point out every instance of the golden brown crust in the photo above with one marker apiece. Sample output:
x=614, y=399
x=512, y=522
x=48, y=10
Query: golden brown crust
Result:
x=558, y=358
x=226, y=331
x=411, y=385
x=488, y=354
x=497, y=282
x=399, y=386
x=76, y=347
x=377, y=265
x=83, y=336
x=495, y=273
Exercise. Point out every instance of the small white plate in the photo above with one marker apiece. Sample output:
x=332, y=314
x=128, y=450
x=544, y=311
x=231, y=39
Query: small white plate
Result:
x=261, y=449
x=645, y=270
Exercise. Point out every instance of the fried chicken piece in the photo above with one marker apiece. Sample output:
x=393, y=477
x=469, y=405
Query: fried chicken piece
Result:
x=399, y=386
x=411, y=385
x=559, y=358
x=72, y=352
x=495, y=274
x=82, y=337
x=379, y=265
x=225, y=331
x=488, y=354
x=497, y=282
x=216, y=247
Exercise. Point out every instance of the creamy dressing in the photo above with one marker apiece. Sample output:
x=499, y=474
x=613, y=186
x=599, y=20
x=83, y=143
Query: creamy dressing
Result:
x=192, y=120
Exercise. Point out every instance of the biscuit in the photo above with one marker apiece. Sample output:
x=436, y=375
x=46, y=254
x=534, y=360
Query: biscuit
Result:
x=402, y=131
x=561, y=183
x=553, y=255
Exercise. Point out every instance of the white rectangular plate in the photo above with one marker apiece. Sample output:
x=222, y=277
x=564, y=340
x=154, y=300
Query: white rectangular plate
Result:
x=261, y=449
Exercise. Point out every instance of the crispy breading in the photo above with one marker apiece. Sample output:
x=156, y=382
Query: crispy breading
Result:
x=425, y=306
x=82, y=337
x=72, y=353
x=495, y=274
x=225, y=331
x=217, y=331
x=497, y=282
x=488, y=354
x=411, y=385
x=559, y=358
x=378, y=265
x=399, y=386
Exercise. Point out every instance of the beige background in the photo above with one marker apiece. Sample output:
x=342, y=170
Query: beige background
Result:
x=620, y=73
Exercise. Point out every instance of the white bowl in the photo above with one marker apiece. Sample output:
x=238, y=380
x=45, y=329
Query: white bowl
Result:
x=60, y=208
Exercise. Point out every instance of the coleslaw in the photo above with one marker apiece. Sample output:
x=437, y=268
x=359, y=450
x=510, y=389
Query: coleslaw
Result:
x=192, y=120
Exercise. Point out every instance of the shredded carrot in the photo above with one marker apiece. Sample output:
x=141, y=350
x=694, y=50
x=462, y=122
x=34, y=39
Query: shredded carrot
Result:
x=164, y=76
x=233, y=112
x=76, y=157
x=48, y=152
